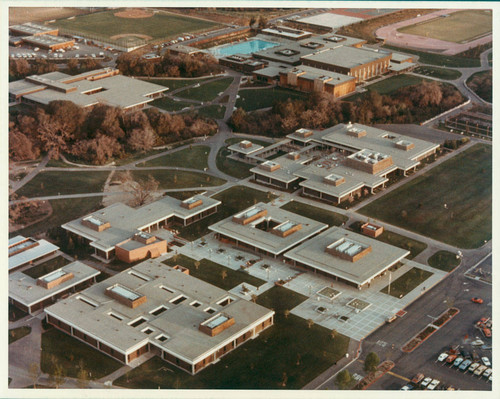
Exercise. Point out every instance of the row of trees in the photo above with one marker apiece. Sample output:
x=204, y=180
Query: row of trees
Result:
x=20, y=68
x=407, y=105
x=100, y=134
x=132, y=64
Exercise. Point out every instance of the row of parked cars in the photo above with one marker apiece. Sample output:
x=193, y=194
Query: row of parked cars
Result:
x=420, y=381
x=480, y=367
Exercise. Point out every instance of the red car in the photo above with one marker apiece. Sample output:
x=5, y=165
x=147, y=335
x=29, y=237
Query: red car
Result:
x=477, y=300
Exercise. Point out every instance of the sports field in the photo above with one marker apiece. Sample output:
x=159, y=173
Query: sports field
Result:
x=148, y=25
x=459, y=27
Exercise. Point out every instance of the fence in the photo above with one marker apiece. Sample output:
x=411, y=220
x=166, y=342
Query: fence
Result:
x=126, y=44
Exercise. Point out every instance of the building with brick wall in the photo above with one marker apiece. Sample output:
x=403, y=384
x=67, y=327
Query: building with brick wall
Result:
x=351, y=258
x=120, y=226
x=154, y=308
x=31, y=294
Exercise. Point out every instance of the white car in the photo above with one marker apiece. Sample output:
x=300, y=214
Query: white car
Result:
x=473, y=367
x=487, y=373
x=486, y=361
x=426, y=381
x=480, y=370
x=442, y=357
x=433, y=384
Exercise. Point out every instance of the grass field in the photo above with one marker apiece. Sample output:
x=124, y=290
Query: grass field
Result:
x=64, y=210
x=160, y=25
x=233, y=200
x=18, y=333
x=68, y=352
x=407, y=282
x=211, y=272
x=440, y=73
x=195, y=157
x=463, y=183
x=238, y=169
x=444, y=260
x=449, y=61
x=206, y=91
x=170, y=105
x=46, y=267
x=54, y=183
x=169, y=179
x=252, y=99
x=390, y=85
x=315, y=213
x=212, y=111
x=458, y=27
x=288, y=348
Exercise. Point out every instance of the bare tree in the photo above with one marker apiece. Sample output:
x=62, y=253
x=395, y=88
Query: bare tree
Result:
x=34, y=373
x=141, y=190
x=310, y=323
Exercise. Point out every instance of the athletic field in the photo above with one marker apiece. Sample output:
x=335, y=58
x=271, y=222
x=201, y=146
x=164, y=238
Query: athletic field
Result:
x=144, y=24
x=458, y=27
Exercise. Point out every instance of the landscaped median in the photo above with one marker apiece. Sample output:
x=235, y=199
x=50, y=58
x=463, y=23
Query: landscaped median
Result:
x=423, y=335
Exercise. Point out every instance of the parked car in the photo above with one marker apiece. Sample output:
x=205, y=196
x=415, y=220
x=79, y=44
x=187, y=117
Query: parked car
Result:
x=457, y=361
x=473, y=367
x=442, y=357
x=419, y=377
x=407, y=388
x=487, y=373
x=466, y=363
x=476, y=300
x=433, y=384
x=451, y=358
x=426, y=381
x=487, y=332
x=480, y=370
x=486, y=361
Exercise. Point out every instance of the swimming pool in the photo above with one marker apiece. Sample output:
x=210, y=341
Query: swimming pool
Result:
x=248, y=47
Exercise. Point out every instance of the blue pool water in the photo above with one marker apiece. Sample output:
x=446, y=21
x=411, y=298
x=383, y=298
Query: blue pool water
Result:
x=248, y=47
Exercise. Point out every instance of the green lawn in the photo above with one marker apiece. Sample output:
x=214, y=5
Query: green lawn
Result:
x=440, y=73
x=64, y=210
x=315, y=213
x=178, y=179
x=444, y=260
x=174, y=84
x=170, y=105
x=64, y=182
x=390, y=85
x=458, y=27
x=160, y=25
x=407, y=282
x=46, y=267
x=233, y=200
x=252, y=99
x=206, y=91
x=288, y=346
x=195, y=157
x=212, y=111
x=231, y=167
x=463, y=183
x=68, y=352
x=450, y=61
x=18, y=333
x=211, y=272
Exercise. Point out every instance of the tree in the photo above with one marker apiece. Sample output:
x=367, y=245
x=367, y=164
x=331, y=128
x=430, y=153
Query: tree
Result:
x=142, y=190
x=333, y=333
x=286, y=313
x=310, y=323
x=343, y=379
x=254, y=298
x=262, y=21
x=142, y=139
x=284, y=379
x=34, y=373
x=57, y=376
x=371, y=362
x=197, y=264
x=252, y=21
x=83, y=375
x=223, y=274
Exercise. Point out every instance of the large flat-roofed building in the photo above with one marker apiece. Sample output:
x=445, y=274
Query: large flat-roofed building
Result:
x=31, y=294
x=309, y=79
x=49, y=42
x=154, y=308
x=266, y=229
x=102, y=86
x=362, y=63
x=119, y=225
x=287, y=32
x=348, y=257
x=242, y=62
x=33, y=29
x=24, y=251
x=327, y=20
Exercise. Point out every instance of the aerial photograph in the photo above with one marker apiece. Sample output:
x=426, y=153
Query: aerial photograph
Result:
x=271, y=197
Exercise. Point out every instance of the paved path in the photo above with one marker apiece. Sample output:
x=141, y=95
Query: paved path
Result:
x=16, y=185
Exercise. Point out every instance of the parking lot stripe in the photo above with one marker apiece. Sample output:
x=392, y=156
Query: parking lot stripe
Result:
x=398, y=376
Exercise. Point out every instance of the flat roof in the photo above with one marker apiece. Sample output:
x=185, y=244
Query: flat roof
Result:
x=125, y=221
x=329, y=20
x=346, y=56
x=245, y=150
x=286, y=32
x=288, y=168
x=381, y=141
x=32, y=28
x=25, y=290
x=30, y=254
x=312, y=253
x=178, y=323
x=47, y=40
x=311, y=73
x=265, y=240
x=120, y=91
